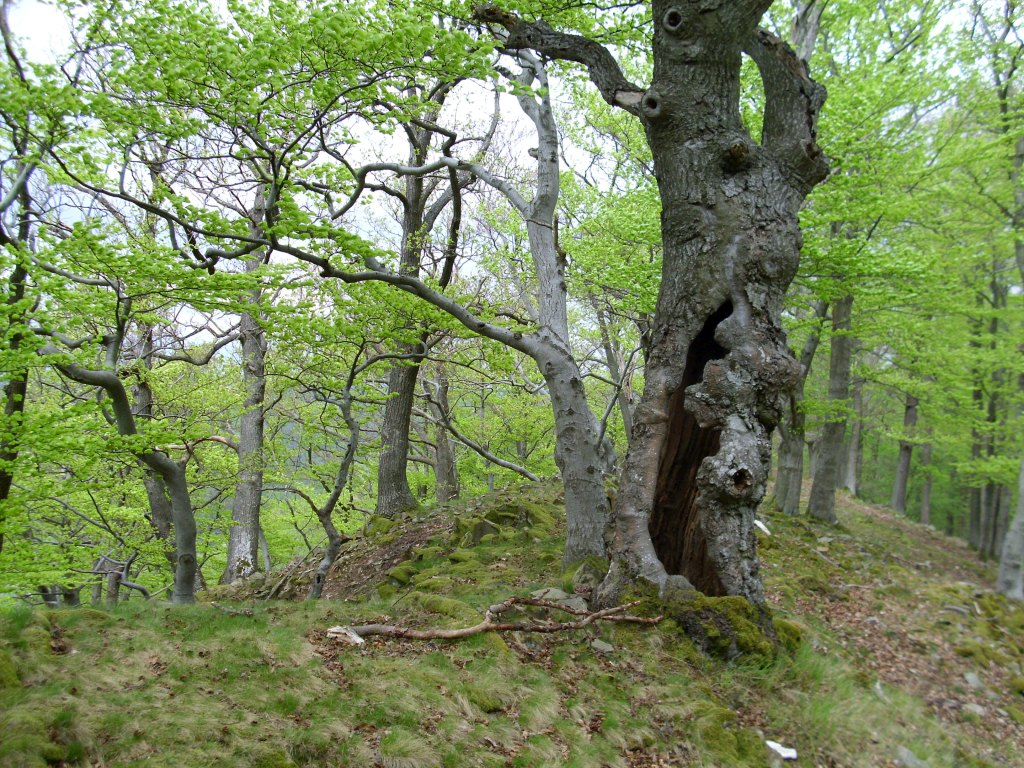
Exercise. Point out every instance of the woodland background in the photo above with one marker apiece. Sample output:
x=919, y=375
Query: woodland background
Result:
x=276, y=388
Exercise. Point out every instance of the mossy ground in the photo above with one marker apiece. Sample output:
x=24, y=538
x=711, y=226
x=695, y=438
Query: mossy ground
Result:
x=856, y=608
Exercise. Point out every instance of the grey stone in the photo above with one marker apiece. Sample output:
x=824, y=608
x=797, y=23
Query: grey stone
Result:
x=908, y=759
x=601, y=646
x=552, y=594
x=973, y=680
x=975, y=709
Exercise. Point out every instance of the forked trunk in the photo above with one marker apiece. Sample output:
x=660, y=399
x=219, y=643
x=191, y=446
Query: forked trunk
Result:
x=719, y=368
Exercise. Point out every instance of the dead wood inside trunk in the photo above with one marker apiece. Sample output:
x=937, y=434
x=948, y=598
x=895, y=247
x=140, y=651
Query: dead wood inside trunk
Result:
x=675, y=525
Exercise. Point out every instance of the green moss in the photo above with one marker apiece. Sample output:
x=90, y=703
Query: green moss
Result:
x=445, y=606
x=462, y=555
x=8, y=671
x=433, y=583
x=402, y=573
x=272, y=758
x=583, y=577
x=725, y=626
x=379, y=525
x=1017, y=685
x=1016, y=714
x=790, y=633
x=26, y=742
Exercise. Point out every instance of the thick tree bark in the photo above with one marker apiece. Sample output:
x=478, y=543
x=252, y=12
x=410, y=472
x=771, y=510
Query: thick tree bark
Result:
x=898, y=502
x=394, y=497
x=244, y=537
x=718, y=368
x=790, y=475
x=826, y=475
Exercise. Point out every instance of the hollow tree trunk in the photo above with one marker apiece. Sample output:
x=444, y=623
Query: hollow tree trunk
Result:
x=898, y=501
x=826, y=475
x=790, y=475
x=719, y=368
x=244, y=537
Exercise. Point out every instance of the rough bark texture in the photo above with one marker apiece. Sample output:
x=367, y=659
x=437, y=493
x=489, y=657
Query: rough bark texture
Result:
x=244, y=538
x=790, y=475
x=822, y=503
x=718, y=366
x=898, y=501
x=393, y=493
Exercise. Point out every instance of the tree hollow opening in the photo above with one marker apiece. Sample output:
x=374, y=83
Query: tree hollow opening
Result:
x=674, y=526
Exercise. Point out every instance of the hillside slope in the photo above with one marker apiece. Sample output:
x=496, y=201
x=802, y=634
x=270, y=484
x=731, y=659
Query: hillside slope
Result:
x=897, y=653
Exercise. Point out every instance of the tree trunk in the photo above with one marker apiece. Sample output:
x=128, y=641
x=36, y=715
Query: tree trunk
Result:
x=171, y=472
x=790, y=476
x=394, y=497
x=826, y=476
x=15, y=390
x=926, y=484
x=244, y=538
x=719, y=368
x=898, y=502
x=446, y=471
x=579, y=456
x=855, y=448
x=1011, y=562
x=142, y=395
x=617, y=371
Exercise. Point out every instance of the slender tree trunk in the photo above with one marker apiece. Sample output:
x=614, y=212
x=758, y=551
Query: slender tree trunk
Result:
x=855, y=447
x=826, y=475
x=790, y=476
x=898, y=502
x=156, y=489
x=244, y=537
x=616, y=369
x=579, y=456
x=926, y=484
x=325, y=512
x=171, y=472
x=15, y=390
x=445, y=468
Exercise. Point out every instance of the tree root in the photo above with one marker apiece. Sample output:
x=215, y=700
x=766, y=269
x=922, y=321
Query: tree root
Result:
x=490, y=624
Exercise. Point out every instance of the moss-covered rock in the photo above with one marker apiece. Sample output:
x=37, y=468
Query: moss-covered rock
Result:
x=462, y=555
x=402, y=573
x=1017, y=685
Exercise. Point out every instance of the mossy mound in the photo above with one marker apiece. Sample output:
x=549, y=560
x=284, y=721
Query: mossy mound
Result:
x=8, y=671
x=722, y=627
x=26, y=741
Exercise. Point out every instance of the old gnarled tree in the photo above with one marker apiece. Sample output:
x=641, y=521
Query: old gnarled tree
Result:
x=719, y=366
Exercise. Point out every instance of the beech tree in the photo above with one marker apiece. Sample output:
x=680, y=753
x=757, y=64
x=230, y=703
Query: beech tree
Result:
x=718, y=367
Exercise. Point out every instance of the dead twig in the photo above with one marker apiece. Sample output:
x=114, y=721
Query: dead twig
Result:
x=489, y=624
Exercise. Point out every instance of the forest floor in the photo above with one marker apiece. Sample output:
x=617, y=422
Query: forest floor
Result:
x=897, y=652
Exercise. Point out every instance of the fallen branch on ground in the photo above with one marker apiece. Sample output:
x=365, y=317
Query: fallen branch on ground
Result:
x=490, y=624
